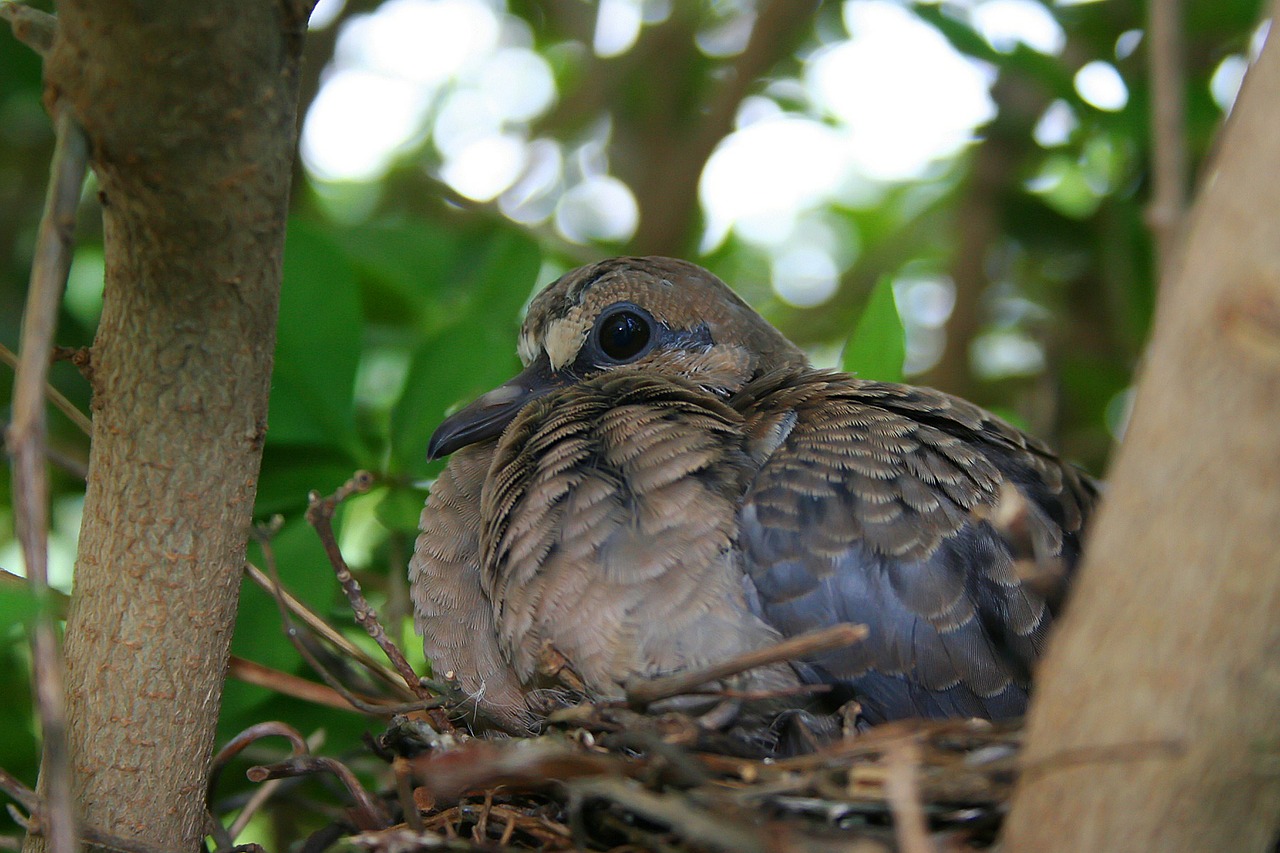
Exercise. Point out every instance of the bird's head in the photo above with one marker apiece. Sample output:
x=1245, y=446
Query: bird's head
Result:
x=659, y=315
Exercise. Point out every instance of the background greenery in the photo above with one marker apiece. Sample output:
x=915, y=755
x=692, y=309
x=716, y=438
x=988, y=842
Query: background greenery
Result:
x=401, y=298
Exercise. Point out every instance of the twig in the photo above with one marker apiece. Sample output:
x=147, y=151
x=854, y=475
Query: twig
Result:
x=647, y=691
x=369, y=812
x=20, y=793
x=404, y=790
x=902, y=790
x=1167, y=208
x=68, y=408
x=264, y=793
x=58, y=600
x=326, y=631
x=320, y=516
x=226, y=837
x=32, y=27
x=26, y=444
x=252, y=672
x=292, y=633
x=33, y=805
x=703, y=828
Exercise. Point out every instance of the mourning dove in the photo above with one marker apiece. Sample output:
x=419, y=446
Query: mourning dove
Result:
x=669, y=483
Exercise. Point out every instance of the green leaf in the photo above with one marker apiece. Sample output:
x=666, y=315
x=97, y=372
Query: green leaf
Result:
x=878, y=345
x=399, y=509
x=317, y=346
x=289, y=473
x=473, y=355
x=18, y=604
x=402, y=265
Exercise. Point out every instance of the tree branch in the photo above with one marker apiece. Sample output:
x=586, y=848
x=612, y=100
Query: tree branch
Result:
x=26, y=444
x=32, y=27
x=1170, y=635
x=190, y=111
x=1168, y=203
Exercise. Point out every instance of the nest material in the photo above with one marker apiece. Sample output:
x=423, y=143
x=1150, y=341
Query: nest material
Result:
x=611, y=779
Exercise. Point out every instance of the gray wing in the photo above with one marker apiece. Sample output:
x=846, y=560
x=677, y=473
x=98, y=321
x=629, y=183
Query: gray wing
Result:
x=864, y=511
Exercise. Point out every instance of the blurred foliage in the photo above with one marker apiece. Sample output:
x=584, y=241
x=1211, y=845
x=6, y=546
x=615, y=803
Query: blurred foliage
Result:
x=404, y=300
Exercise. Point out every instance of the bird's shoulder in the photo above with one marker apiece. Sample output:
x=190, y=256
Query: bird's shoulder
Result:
x=910, y=450
x=869, y=505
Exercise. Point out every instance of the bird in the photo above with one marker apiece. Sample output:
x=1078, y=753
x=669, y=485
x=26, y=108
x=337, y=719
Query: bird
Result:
x=669, y=483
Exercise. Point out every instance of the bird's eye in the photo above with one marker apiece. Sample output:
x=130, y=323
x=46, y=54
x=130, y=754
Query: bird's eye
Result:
x=624, y=334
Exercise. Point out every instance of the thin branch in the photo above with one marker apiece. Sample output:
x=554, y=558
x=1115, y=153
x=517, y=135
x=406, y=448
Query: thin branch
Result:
x=32, y=27
x=268, y=789
x=26, y=444
x=326, y=631
x=299, y=746
x=68, y=408
x=647, y=691
x=291, y=632
x=902, y=790
x=1167, y=209
x=369, y=812
x=320, y=516
x=701, y=827
x=286, y=683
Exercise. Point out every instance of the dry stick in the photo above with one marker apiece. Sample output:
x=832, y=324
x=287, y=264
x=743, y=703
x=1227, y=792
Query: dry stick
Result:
x=703, y=828
x=31, y=802
x=32, y=27
x=326, y=631
x=299, y=746
x=68, y=408
x=291, y=631
x=296, y=687
x=320, y=516
x=902, y=790
x=370, y=814
x=404, y=790
x=268, y=789
x=26, y=442
x=646, y=691
x=1167, y=208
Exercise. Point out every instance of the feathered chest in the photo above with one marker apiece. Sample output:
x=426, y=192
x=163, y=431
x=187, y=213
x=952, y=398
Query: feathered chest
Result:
x=608, y=523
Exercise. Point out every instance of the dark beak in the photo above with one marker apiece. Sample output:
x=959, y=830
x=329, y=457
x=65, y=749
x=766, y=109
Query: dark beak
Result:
x=490, y=413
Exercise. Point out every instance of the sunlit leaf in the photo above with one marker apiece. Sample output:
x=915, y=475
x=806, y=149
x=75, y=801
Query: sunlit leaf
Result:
x=878, y=345
x=317, y=347
x=471, y=356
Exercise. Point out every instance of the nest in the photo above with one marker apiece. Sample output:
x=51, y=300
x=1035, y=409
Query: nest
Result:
x=611, y=779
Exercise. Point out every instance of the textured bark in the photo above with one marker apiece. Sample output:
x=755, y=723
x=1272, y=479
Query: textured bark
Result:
x=191, y=110
x=1155, y=726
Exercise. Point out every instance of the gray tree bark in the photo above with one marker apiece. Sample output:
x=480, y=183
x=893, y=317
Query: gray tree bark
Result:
x=1156, y=725
x=190, y=108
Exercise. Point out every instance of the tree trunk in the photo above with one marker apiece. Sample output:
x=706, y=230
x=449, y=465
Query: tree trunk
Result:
x=1156, y=725
x=190, y=108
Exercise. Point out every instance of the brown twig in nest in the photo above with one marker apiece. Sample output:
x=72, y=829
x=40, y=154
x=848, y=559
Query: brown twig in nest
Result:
x=368, y=812
x=320, y=516
x=317, y=625
x=642, y=692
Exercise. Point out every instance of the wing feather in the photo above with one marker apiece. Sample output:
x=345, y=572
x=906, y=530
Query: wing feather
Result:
x=865, y=511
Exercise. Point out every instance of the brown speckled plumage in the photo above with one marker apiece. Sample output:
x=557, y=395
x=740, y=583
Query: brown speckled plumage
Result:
x=711, y=493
